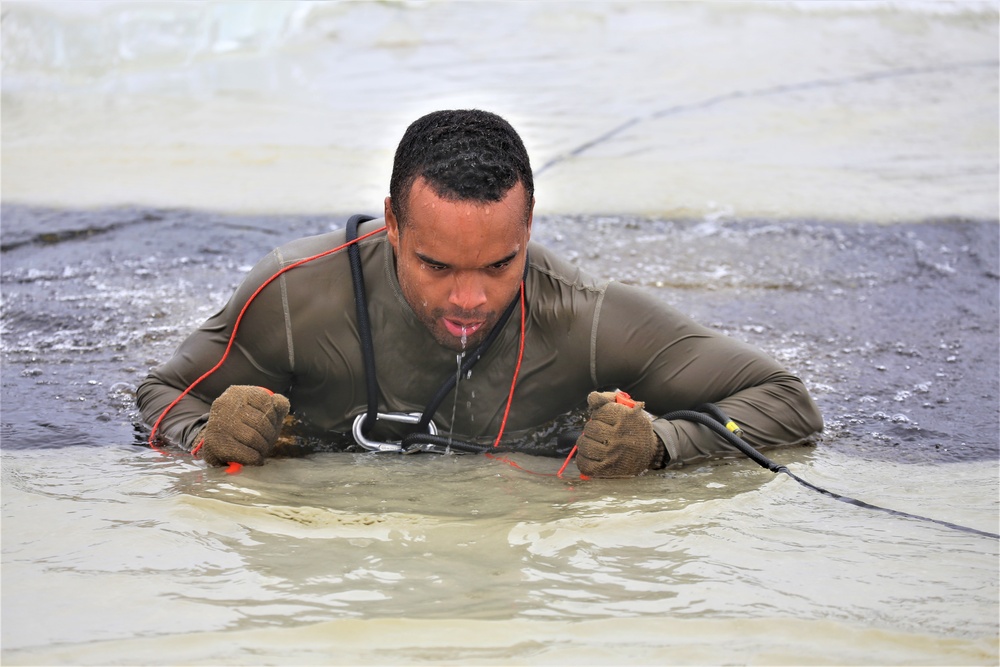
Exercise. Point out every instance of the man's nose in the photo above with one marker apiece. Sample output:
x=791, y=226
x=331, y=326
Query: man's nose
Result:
x=467, y=292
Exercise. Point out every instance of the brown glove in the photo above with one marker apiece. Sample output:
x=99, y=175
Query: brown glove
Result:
x=618, y=440
x=243, y=425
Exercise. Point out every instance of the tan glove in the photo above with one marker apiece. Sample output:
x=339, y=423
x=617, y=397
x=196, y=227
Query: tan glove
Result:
x=618, y=440
x=243, y=425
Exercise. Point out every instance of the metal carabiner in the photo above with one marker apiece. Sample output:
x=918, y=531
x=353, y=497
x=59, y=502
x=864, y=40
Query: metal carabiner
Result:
x=377, y=446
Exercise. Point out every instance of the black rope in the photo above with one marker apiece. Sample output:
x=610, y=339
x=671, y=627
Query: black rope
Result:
x=715, y=421
x=861, y=503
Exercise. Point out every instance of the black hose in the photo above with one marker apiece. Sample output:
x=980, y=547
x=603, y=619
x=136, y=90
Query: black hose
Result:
x=718, y=427
x=364, y=324
x=716, y=422
x=439, y=444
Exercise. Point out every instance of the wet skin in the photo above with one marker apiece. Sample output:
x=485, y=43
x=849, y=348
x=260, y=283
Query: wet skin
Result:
x=460, y=263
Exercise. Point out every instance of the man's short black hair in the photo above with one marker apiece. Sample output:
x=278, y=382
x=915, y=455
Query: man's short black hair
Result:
x=465, y=155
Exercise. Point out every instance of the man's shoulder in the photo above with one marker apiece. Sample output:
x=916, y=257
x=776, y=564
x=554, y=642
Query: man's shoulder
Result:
x=559, y=271
x=326, y=242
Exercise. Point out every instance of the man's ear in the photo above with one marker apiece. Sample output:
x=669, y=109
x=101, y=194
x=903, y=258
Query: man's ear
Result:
x=391, y=224
x=531, y=214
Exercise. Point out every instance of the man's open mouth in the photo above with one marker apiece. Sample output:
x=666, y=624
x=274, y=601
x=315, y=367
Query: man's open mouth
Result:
x=459, y=328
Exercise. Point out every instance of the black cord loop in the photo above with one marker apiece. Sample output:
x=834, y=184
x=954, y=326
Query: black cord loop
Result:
x=716, y=419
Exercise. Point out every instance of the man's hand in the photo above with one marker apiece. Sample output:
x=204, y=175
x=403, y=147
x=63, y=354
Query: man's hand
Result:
x=618, y=440
x=243, y=425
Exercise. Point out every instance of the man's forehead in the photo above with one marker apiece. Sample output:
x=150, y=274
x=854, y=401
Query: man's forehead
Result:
x=424, y=194
x=486, y=243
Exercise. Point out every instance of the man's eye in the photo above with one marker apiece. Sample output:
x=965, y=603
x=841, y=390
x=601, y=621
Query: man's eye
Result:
x=500, y=265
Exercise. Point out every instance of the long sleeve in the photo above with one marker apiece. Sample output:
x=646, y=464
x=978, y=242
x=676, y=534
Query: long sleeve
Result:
x=662, y=357
x=257, y=357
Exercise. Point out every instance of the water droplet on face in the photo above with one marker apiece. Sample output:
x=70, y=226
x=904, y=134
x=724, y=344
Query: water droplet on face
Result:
x=465, y=338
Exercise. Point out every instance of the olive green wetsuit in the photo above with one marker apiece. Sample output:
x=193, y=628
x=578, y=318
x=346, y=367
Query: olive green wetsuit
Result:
x=299, y=337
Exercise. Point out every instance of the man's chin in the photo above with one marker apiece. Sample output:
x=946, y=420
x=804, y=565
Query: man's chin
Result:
x=455, y=344
x=473, y=339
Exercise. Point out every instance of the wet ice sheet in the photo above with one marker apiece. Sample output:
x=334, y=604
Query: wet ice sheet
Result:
x=893, y=328
x=874, y=111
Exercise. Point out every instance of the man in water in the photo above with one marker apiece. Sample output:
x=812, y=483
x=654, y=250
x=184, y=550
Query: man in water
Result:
x=451, y=274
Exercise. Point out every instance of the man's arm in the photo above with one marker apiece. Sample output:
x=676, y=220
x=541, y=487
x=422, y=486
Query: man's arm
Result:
x=777, y=412
x=185, y=420
x=662, y=357
x=259, y=356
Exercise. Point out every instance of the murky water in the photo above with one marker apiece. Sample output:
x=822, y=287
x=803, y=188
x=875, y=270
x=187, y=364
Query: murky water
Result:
x=459, y=560
x=780, y=227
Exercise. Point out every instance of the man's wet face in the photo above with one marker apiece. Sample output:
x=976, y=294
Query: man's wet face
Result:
x=460, y=263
